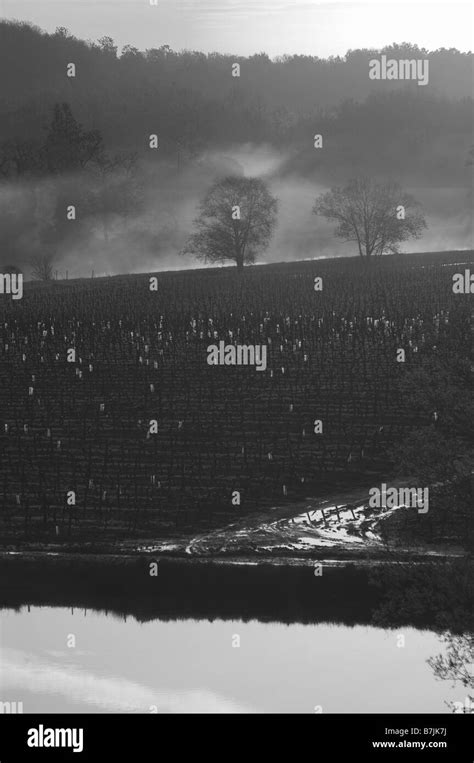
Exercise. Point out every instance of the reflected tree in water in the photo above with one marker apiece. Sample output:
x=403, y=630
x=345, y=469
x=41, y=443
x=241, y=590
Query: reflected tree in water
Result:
x=456, y=665
x=437, y=595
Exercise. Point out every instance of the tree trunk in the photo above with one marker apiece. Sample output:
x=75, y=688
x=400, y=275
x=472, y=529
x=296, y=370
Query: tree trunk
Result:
x=240, y=262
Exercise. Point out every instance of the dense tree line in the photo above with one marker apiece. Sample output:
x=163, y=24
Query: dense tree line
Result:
x=192, y=100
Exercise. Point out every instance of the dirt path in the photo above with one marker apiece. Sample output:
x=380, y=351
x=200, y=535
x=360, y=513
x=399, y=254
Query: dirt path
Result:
x=337, y=523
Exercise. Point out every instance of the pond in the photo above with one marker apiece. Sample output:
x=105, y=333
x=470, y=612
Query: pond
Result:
x=57, y=659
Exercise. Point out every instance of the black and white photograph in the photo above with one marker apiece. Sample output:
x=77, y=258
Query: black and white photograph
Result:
x=236, y=366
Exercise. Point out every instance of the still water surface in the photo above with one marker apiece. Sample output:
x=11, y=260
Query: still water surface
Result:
x=120, y=665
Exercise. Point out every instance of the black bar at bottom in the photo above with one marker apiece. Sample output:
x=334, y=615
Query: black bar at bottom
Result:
x=444, y=737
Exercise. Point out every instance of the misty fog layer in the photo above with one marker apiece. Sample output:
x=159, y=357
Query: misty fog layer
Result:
x=152, y=238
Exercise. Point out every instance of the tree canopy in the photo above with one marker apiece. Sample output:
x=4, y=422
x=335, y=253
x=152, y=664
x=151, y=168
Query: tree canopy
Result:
x=377, y=216
x=236, y=221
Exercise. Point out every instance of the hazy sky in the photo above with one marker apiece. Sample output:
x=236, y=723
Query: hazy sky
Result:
x=251, y=26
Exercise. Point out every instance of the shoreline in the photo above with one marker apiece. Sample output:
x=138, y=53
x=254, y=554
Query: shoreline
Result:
x=322, y=559
x=292, y=590
x=112, y=558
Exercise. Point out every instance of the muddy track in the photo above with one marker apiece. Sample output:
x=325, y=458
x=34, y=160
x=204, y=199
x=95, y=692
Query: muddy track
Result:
x=339, y=524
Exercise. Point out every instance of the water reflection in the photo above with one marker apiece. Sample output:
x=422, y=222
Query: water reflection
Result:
x=192, y=666
x=444, y=593
x=456, y=665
